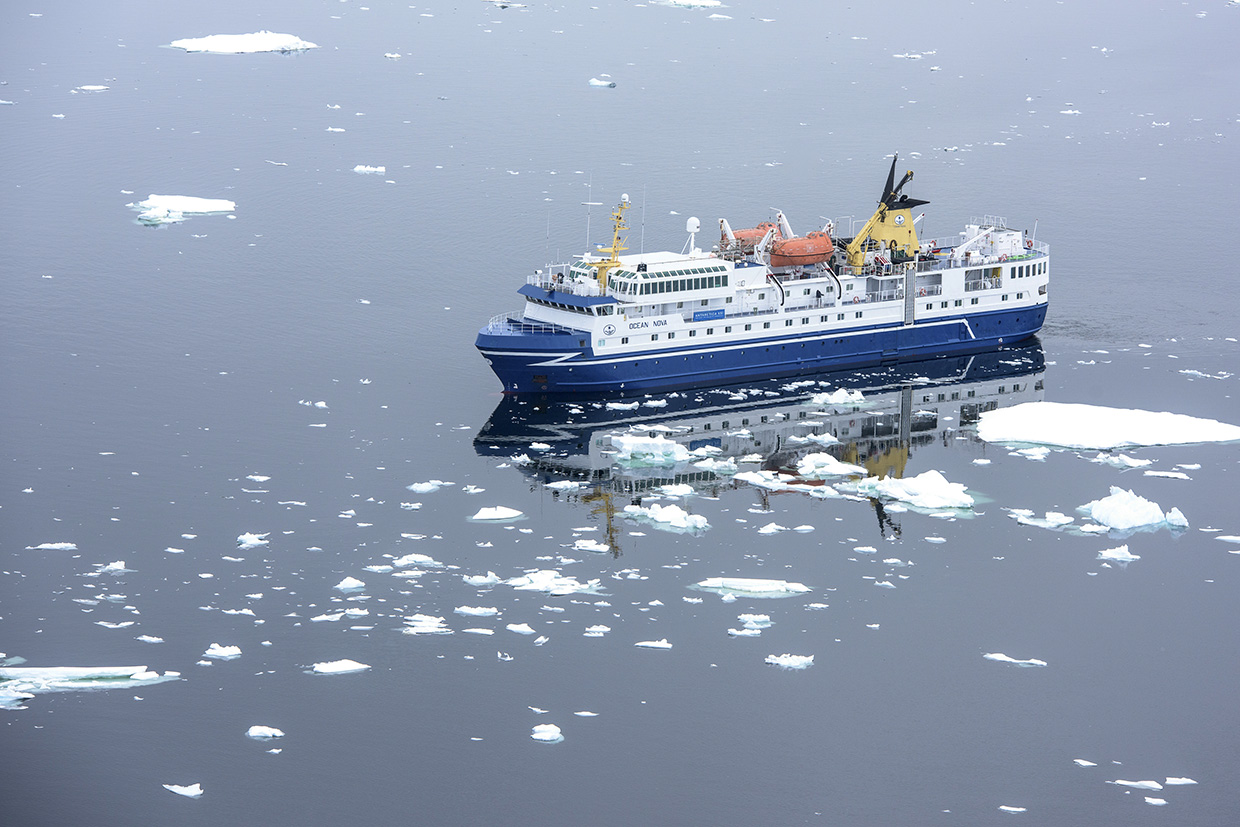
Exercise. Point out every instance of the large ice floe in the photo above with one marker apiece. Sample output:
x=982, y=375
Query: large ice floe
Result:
x=929, y=490
x=1069, y=425
x=171, y=209
x=1002, y=658
x=244, y=44
x=18, y=683
x=667, y=517
x=749, y=587
x=1123, y=510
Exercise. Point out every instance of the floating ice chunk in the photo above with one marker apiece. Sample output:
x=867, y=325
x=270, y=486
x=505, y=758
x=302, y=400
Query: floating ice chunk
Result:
x=1002, y=658
x=929, y=490
x=654, y=644
x=258, y=731
x=840, y=396
x=252, y=540
x=586, y=714
x=497, y=513
x=1037, y=453
x=639, y=450
x=771, y=480
x=191, y=791
x=238, y=44
x=149, y=639
x=1081, y=762
x=744, y=632
x=420, y=624
x=1091, y=426
x=884, y=584
x=791, y=661
x=750, y=587
x=1118, y=555
x=596, y=631
x=820, y=466
x=170, y=209
x=18, y=683
x=415, y=559
x=1156, y=802
x=676, y=489
x=488, y=579
x=520, y=628
x=222, y=652
x=349, y=584
x=587, y=544
x=755, y=621
x=363, y=169
x=1123, y=510
x=719, y=466
x=1138, y=785
x=1173, y=781
x=476, y=631
x=107, y=624
x=93, y=87
x=547, y=733
x=1009, y=809
x=552, y=582
x=327, y=617
x=339, y=667
x=772, y=528
x=53, y=547
x=563, y=485
x=427, y=487
x=609, y=84
x=477, y=611
x=670, y=517
x=1170, y=475
x=622, y=406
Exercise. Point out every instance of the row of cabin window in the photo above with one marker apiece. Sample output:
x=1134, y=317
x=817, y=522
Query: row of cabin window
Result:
x=648, y=288
x=710, y=331
x=960, y=302
x=1026, y=270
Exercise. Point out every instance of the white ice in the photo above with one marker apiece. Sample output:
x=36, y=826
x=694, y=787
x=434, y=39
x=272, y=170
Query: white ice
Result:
x=1118, y=555
x=548, y=733
x=488, y=579
x=667, y=516
x=420, y=624
x=654, y=644
x=1156, y=802
x=552, y=582
x=339, y=667
x=1138, y=785
x=1123, y=510
x=820, y=466
x=1008, y=809
x=635, y=449
x=477, y=611
x=1092, y=426
x=415, y=559
x=750, y=587
x=791, y=661
x=1081, y=762
x=602, y=83
x=520, y=628
x=252, y=540
x=427, y=487
x=236, y=44
x=260, y=731
x=587, y=544
x=349, y=584
x=1173, y=781
x=222, y=652
x=496, y=513
x=363, y=169
x=1002, y=658
x=54, y=547
x=840, y=396
x=929, y=489
x=170, y=209
x=192, y=791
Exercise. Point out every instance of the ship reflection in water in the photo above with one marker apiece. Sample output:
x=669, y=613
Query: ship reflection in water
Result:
x=768, y=426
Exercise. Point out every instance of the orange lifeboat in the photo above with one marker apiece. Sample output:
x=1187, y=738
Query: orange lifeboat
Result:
x=747, y=238
x=809, y=249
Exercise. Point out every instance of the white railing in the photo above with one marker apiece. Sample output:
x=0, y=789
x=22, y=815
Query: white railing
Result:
x=506, y=325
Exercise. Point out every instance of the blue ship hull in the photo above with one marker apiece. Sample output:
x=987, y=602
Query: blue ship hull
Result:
x=563, y=361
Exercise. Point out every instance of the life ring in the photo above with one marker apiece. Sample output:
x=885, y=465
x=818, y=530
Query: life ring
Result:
x=921, y=292
x=1003, y=258
x=856, y=299
x=1028, y=243
x=852, y=423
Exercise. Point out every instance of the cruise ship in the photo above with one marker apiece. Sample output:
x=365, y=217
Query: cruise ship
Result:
x=765, y=302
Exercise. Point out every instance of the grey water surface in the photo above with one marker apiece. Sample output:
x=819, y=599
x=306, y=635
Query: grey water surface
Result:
x=149, y=372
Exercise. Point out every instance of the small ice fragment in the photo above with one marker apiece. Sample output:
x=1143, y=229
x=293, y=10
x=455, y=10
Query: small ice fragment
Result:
x=520, y=628
x=252, y=540
x=1081, y=762
x=1005, y=808
x=477, y=611
x=54, y=547
x=587, y=544
x=192, y=791
x=488, y=579
x=608, y=84
x=791, y=661
x=547, y=733
x=349, y=584
x=149, y=639
x=654, y=644
x=339, y=667
x=596, y=631
x=1156, y=802
x=363, y=169
x=1138, y=785
x=222, y=652
x=585, y=714
x=420, y=624
x=1123, y=510
x=1118, y=555
x=496, y=513
x=1002, y=658
x=259, y=731
x=1173, y=781
x=751, y=587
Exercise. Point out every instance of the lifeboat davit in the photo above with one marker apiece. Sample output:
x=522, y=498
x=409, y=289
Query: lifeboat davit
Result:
x=809, y=249
x=746, y=239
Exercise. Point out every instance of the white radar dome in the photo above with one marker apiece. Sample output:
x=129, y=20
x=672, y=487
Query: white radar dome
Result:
x=692, y=225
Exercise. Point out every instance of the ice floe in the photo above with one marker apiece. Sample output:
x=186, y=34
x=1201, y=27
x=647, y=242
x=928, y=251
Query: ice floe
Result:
x=587, y=544
x=669, y=517
x=750, y=587
x=1173, y=781
x=258, y=731
x=236, y=44
x=787, y=661
x=497, y=513
x=640, y=450
x=547, y=733
x=1007, y=808
x=1123, y=510
x=927, y=490
x=18, y=683
x=654, y=644
x=171, y=209
x=477, y=611
x=488, y=579
x=339, y=667
x=1138, y=785
x=349, y=584
x=190, y=791
x=219, y=652
x=520, y=628
x=1118, y=555
x=363, y=169
x=1070, y=425
x=609, y=84
x=1081, y=762
x=552, y=582
x=247, y=540
x=53, y=547
x=821, y=466
x=420, y=624
x=1053, y=519
x=1002, y=658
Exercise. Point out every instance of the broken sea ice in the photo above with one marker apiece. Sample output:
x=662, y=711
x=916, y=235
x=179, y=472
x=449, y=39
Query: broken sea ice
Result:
x=787, y=661
x=191, y=791
x=547, y=733
x=339, y=667
x=1123, y=510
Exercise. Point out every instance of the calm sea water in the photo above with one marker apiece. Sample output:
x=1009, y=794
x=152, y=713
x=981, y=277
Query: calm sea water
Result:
x=149, y=372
